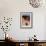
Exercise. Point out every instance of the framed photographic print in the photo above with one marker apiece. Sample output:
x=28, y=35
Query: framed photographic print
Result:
x=26, y=19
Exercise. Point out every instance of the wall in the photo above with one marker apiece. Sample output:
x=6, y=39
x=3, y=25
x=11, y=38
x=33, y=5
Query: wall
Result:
x=12, y=8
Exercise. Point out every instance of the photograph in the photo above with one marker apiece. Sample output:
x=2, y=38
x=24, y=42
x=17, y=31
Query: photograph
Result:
x=26, y=19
